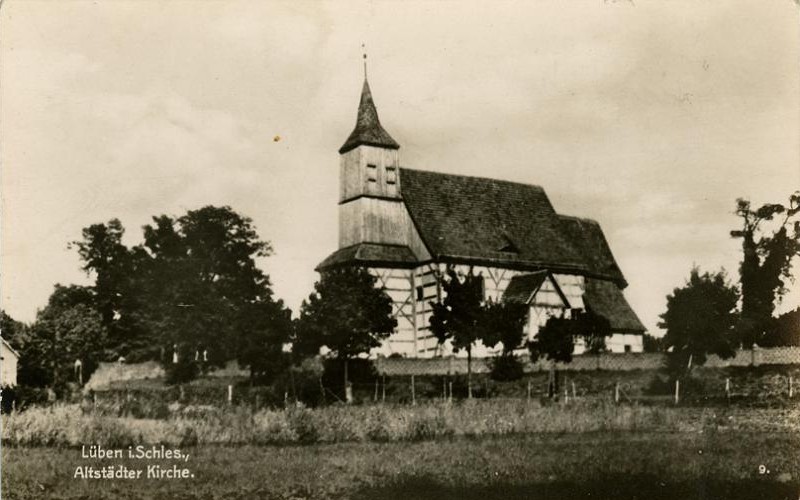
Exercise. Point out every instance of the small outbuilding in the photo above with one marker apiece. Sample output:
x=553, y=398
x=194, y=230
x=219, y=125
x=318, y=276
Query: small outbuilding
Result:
x=9, y=358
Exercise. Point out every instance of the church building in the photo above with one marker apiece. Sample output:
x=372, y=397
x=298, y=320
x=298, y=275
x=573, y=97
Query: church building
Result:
x=408, y=226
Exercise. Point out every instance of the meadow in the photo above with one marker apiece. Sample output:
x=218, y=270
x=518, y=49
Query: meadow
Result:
x=494, y=447
x=614, y=465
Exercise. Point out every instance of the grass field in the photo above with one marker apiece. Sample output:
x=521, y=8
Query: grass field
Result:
x=613, y=465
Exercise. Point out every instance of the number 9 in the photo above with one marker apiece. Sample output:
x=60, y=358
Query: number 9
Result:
x=762, y=469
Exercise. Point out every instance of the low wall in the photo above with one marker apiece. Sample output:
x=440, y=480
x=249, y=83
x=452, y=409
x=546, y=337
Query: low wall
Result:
x=584, y=362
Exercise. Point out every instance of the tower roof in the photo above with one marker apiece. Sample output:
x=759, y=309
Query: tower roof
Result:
x=368, y=130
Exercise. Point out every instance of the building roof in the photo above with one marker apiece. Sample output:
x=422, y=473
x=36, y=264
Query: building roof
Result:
x=368, y=130
x=606, y=298
x=502, y=223
x=588, y=237
x=371, y=253
x=522, y=287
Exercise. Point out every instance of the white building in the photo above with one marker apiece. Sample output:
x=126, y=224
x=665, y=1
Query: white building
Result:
x=8, y=365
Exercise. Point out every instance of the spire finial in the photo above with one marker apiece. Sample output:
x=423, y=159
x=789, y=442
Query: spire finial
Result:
x=364, y=50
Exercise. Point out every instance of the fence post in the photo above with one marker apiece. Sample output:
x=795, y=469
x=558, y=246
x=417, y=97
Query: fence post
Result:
x=450, y=386
x=383, y=393
x=375, y=397
x=258, y=401
x=230, y=394
x=573, y=390
x=444, y=389
x=791, y=389
x=529, y=389
x=728, y=388
x=413, y=395
x=677, y=391
x=616, y=392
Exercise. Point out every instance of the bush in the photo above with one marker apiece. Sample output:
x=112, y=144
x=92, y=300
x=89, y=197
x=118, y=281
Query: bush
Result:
x=506, y=368
x=180, y=373
x=21, y=397
x=302, y=423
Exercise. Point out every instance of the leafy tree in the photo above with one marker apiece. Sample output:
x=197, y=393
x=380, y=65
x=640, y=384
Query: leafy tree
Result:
x=699, y=320
x=264, y=328
x=66, y=330
x=13, y=331
x=114, y=295
x=556, y=339
x=192, y=287
x=504, y=322
x=783, y=330
x=345, y=313
x=203, y=289
x=766, y=263
x=458, y=317
x=652, y=343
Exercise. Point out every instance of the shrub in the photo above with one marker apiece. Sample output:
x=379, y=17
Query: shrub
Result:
x=506, y=368
x=180, y=373
x=303, y=425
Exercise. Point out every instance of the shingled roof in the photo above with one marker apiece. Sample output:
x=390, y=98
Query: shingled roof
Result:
x=521, y=288
x=590, y=241
x=368, y=130
x=490, y=221
x=606, y=298
x=371, y=253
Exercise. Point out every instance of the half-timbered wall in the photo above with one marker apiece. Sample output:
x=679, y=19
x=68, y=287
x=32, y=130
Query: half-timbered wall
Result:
x=399, y=285
x=412, y=291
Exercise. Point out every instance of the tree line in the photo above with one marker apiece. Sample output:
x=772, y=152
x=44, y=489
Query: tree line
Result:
x=192, y=296
x=712, y=315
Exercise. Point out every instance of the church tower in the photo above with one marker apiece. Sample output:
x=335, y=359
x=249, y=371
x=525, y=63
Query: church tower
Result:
x=370, y=202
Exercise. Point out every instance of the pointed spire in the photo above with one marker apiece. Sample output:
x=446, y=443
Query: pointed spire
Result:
x=368, y=130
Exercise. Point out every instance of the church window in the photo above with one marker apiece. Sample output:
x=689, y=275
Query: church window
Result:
x=391, y=175
x=372, y=173
x=420, y=294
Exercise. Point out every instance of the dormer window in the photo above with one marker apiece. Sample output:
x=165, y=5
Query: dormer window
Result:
x=372, y=173
x=391, y=175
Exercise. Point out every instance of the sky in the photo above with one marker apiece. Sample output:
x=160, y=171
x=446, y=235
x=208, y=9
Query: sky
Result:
x=650, y=117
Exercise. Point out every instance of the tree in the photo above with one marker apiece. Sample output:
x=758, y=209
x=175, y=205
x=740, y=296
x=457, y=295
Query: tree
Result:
x=503, y=323
x=66, y=330
x=13, y=331
x=699, y=320
x=264, y=328
x=201, y=288
x=651, y=343
x=556, y=339
x=105, y=256
x=345, y=313
x=783, y=330
x=766, y=263
x=458, y=316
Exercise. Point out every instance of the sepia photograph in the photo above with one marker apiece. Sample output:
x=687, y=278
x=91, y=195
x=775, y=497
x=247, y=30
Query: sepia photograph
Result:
x=421, y=250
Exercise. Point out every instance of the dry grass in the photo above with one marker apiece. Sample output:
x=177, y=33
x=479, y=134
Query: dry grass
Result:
x=69, y=425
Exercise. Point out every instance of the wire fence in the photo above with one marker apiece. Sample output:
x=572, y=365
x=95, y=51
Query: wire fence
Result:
x=761, y=377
